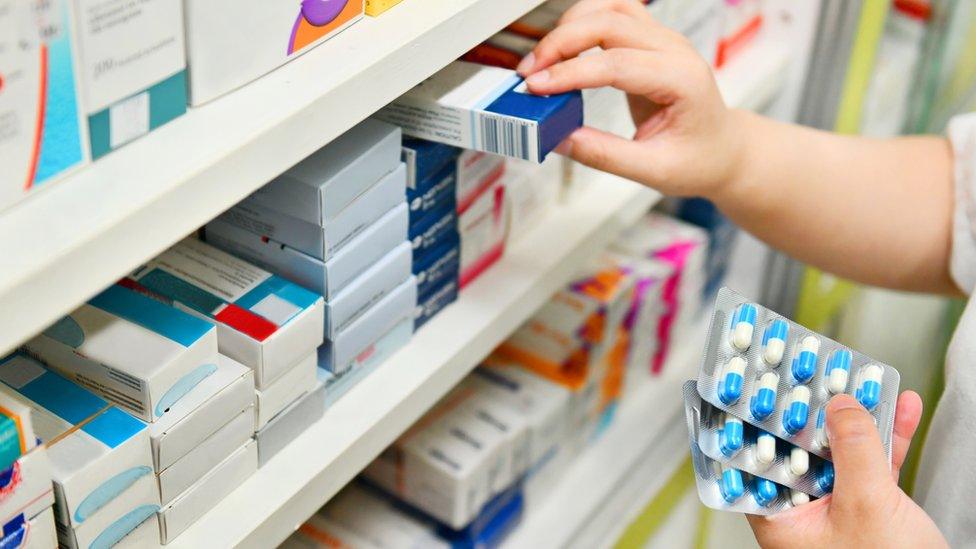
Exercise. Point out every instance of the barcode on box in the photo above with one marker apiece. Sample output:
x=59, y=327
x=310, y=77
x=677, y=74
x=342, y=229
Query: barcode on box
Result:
x=505, y=136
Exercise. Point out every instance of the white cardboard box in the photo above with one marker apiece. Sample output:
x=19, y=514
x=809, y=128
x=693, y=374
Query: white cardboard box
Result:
x=318, y=188
x=263, y=321
x=369, y=513
x=115, y=520
x=207, y=492
x=209, y=406
x=294, y=383
x=328, y=278
x=322, y=241
x=140, y=354
x=290, y=423
x=482, y=228
x=476, y=172
x=231, y=42
x=192, y=467
x=342, y=353
x=104, y=463
x=145, y=535
x=28, y=489
x=368, y=289
x=27, y=531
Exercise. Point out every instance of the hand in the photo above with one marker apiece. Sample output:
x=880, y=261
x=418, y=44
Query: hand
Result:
x=867, y=508
x=686, y=141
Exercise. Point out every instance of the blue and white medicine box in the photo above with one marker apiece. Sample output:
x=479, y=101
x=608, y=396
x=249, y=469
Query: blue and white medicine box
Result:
x=430, y=305
x=100, y=457
x=424, y=159
x=326, y=278
x=322, y=242
x=438, y=266
x=486, y=109
x=440, y=194
x=26, y=486
x=433, y=230
x=263, y=321
x=140, y=354
x=319, y=187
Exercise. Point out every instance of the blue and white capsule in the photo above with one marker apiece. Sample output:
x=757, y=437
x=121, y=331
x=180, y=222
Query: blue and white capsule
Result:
x=868, y=391
x=825, y=477
x=837, y=371
x=774, y=342
x=765, y=448
x=798, y=498
x=743, y=325
x=730, y=436
x=730, y=484
x=795, y=415
x=805, y=360
x=799, y=462
x=763, y=401
x=730, y=386
x=764, y=491
x=821, y=437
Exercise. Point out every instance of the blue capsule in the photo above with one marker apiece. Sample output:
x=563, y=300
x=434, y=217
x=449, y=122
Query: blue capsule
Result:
x=763, y=402
x=805, y=361
x=765, y=492
x=825, y=477
x=868, y=392
x=837, y=370
x=743, y=325
x=731, y=485
x=795, y=415
x=730, y=437
x=730, y=386
x=774, y=341
x=822, y=428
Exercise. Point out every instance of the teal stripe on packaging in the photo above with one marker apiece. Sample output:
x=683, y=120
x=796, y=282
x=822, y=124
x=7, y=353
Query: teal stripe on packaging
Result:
x=181, y=291
x=167, y=321
x=167, y=100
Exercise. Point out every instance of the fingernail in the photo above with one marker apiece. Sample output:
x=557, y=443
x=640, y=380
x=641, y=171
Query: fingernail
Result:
x=565, y=148
x=526, y=64
x=540, y=77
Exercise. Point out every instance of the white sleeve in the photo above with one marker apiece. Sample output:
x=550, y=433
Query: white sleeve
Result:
x=962, y=263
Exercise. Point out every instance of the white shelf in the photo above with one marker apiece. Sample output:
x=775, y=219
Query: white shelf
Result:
x=62, y=246
x=606, y=486
x=754, y=78
x=310, y=470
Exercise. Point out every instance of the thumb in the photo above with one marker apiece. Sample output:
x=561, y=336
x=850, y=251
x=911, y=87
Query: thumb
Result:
x=860, y=466
x=613, y=154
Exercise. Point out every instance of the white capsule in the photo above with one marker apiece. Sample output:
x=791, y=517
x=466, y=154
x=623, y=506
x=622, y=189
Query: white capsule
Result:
x=743, y=325
x=810, y=343
x=799, y=461
x=765, y=448
x=798, y=498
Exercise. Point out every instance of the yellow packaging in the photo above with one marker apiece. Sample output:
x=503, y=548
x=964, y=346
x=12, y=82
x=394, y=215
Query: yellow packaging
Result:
x=375, y=7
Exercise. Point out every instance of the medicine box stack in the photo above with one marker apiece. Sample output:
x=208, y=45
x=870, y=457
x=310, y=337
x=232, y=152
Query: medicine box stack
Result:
x=337, y=223
x=757, y=412
x=486, y=109
x=100, y=459
x=482, y=212
x=232, y=42
x=432, y=195
x=200, y=405
x=42, y=127
x=132, y=68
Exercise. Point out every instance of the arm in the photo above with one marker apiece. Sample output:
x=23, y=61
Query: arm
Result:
x=875, y=211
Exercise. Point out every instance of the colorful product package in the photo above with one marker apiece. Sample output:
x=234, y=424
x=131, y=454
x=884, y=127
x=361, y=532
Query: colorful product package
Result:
x=322, y=241
x=232, y=42
x=320, y=187
x=483, y=229
x=263, y=321
x=132, y=69
x=375, y=8
x=326, y=278
x=27, y=487
x=100, y=456
x=486, y=109
x=42, y=126
x=476, y=172
x=17, y=436
x=31, y=531
x=140, y=354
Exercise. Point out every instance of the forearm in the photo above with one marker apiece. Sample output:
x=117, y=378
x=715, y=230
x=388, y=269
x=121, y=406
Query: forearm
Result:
x=874, y=211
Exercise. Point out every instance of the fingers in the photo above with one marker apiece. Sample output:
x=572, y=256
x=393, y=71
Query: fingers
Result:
x=633, y=71
x=611, y=153
x=860, y=464
x=908, y=412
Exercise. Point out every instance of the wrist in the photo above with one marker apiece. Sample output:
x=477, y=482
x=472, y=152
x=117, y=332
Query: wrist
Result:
x=739, y=142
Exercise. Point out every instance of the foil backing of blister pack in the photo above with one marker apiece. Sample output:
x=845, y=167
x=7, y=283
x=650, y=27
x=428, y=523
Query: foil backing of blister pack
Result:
x=708, y=477
x=719, y=351
x=703, y=417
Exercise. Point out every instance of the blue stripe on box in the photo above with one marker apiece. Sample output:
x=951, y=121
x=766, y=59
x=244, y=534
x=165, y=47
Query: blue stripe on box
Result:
x=181, y=291
x=290, y=292
x=169, y=322
x=75, y=404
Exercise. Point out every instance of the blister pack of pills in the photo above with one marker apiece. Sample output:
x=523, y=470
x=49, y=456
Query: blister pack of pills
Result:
x=726, y=488
x=734, y=443
x=779, y=375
